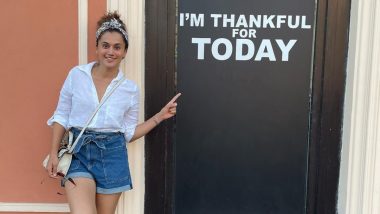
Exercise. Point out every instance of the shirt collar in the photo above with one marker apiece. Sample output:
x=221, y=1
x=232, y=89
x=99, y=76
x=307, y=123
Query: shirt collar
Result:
x=87, y=69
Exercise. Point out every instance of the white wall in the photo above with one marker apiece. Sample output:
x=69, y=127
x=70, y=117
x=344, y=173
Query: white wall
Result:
x=359, y=186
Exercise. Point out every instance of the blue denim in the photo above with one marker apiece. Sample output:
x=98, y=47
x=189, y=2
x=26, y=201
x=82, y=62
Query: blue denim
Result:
x=103, y=157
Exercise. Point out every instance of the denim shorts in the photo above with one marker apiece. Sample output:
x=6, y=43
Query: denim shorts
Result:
x=101, y=156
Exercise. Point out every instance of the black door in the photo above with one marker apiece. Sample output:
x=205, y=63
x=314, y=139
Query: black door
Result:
x=244, y=68
x=255, y=131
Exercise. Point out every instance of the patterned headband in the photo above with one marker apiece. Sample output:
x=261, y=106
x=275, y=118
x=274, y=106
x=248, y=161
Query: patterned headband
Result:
x=113, y=24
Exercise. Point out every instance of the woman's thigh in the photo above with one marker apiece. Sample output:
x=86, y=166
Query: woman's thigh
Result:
x=81, y=197
x=106, y=203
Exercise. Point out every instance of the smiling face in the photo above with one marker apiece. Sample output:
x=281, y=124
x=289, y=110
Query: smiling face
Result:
x=111, y=49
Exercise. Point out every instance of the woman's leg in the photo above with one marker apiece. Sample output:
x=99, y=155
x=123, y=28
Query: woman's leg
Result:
x=81, y=197
x=106, y=203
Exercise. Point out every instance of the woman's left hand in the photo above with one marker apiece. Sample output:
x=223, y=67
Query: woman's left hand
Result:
x=169, y=110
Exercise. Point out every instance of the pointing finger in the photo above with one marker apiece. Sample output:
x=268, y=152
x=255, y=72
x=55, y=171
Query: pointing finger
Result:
x=175, y=98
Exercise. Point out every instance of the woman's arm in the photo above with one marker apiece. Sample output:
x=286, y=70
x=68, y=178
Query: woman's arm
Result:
x=58, y=132
x=59, y=122
x=168, y=111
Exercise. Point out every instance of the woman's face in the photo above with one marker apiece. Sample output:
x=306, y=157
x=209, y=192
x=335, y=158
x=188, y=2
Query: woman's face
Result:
x=111, y=49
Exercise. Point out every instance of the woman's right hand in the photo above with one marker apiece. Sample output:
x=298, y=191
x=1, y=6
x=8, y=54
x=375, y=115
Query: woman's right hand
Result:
x=52, y=165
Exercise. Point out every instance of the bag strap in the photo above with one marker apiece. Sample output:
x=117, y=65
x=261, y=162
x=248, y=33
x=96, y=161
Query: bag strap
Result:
x=104, y=99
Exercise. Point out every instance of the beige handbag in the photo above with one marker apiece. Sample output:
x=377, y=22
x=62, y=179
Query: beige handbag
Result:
x=64, y=155
x=67, y=146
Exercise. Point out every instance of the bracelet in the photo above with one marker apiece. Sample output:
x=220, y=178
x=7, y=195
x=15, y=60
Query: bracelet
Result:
x=156, y=120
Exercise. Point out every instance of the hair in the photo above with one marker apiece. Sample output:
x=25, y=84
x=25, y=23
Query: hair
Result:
x=108, y=17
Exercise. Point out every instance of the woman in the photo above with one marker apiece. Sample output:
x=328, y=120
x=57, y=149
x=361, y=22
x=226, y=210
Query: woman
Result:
x=99, y=167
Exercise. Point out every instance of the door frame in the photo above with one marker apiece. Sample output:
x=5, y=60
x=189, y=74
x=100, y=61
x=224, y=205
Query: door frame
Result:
x=329, y=65
x=330, y=60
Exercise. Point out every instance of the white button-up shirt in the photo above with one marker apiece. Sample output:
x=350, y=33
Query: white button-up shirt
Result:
x=78, y=100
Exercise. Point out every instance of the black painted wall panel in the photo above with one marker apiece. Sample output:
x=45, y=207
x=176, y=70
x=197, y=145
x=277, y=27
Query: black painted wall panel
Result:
x=241, y=144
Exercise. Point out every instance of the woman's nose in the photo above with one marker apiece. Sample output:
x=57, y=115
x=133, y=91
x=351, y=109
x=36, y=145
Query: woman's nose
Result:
x=110, y=50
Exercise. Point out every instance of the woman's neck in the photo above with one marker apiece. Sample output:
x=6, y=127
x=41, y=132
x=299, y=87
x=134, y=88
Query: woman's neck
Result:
x=104, y=72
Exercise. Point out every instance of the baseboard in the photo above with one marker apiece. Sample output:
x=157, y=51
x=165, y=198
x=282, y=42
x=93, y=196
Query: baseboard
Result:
x=33, y=207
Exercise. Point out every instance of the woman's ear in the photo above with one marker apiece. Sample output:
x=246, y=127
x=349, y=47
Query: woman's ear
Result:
x=125, y=53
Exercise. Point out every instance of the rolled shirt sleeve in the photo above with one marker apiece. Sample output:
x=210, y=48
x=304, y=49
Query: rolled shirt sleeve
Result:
x=62, y=112
x=131, y=117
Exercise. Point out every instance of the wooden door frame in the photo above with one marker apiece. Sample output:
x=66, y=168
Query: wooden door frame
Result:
x=160, y=86
x=330, y=58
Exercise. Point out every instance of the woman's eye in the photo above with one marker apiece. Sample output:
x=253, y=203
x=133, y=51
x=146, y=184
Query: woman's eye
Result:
x=117, y=48
x=105, y=46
